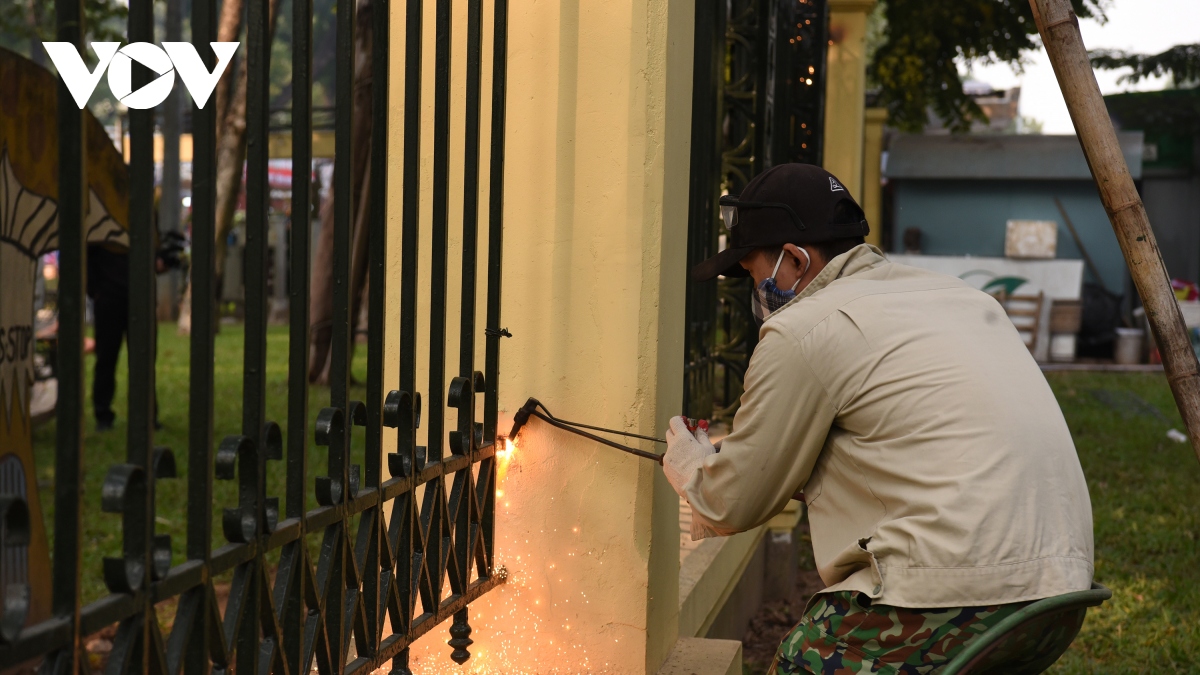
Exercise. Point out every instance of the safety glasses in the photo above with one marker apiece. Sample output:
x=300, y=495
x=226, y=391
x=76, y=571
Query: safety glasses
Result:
x=730, y=205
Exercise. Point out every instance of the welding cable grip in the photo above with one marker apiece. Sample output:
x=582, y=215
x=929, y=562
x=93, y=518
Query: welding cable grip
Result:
x=531, y=409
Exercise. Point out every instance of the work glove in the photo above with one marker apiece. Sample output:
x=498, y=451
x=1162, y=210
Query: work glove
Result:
x=685, y=452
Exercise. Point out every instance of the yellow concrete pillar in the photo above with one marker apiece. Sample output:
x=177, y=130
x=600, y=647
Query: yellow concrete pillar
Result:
x=845, y=86
x=596, y=187
x=872, y=189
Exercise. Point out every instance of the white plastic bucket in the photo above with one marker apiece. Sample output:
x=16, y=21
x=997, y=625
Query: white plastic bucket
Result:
x=1128, y=349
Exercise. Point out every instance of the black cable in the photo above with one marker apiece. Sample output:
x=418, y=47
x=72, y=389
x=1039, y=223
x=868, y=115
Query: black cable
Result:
x=588, y=426
x=624, y=448
x=531, y=409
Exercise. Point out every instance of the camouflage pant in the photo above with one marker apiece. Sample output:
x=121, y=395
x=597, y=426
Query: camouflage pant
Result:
x=842, y=633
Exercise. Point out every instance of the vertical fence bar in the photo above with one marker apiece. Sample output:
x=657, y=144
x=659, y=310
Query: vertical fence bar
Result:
x=412, y=196
x=377, y=279
x=701, y=299
x=470, y=232
x=343, y=206
x=140, y=336
x=254, y=378
x=68, y=456
x=404, y=509
x=333, y=551
x=487, y=524
x=299, y=258
x=464, y=508
x=200, y=381
x=249, y=638
x=377, y=283
x=200, y=384
x=142, y=245
x=491, y=400
x=440, y=229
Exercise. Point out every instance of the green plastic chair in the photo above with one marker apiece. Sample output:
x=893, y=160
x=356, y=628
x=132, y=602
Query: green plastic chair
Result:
x=1053, y=623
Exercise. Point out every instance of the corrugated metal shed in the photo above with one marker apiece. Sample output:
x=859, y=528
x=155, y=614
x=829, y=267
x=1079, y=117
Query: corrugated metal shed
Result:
x=999, y=156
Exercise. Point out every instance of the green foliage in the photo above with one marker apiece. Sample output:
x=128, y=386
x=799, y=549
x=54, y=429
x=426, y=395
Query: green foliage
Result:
x=916, y=66
x=1181, y=62
x=34, y=20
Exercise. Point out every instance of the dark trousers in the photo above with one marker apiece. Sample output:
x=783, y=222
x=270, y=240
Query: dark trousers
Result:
x=111, y=314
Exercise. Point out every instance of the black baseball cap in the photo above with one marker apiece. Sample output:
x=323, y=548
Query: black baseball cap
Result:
x=786, y=204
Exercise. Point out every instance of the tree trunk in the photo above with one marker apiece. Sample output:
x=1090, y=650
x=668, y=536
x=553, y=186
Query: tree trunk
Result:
x=231, y=155
x=228, y=26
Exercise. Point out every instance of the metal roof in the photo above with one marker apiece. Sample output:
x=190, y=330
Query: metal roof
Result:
x=1009, y=156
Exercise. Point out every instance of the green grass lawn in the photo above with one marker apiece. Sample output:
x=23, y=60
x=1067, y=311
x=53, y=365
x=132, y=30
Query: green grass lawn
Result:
x=102, y=531
x=1143, y=489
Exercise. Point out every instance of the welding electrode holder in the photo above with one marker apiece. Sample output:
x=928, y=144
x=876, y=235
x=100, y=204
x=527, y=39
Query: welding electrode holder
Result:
x=531, y=409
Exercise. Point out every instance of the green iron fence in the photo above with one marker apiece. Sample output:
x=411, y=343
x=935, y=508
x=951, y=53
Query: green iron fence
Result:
x=758, y=100
x=399, y=552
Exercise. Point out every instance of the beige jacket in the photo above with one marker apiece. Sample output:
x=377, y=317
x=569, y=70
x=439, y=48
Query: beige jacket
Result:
x=937, y=467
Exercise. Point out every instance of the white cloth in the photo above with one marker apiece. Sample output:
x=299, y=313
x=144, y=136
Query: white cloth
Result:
x=685, y=453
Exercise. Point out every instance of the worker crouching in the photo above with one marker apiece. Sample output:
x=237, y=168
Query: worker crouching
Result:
x=942, y=485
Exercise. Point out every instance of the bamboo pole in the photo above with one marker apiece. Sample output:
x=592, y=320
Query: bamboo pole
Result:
x=1059, y=28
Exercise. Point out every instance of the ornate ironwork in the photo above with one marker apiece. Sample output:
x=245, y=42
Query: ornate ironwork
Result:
x=758, y=100
x=399, y=554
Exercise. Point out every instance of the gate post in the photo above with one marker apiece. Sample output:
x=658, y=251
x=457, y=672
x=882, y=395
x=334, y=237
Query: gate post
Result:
x=845, y=87
x=596, y=189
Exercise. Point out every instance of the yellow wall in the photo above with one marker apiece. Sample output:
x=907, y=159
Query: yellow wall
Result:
x=872, y=190
x=845, y=85
x=596, y=176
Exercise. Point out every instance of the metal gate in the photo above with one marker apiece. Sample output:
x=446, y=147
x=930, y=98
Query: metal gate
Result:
x=400, y=552
x=757, y=100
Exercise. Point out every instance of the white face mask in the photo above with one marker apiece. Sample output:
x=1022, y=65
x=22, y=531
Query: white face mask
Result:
x=768, y=297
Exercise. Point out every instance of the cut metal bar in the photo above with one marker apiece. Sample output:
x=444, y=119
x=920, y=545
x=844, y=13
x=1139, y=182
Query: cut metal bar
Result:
x=333, y=570
x=299, y=259
x=200, y=380
x=72, y=251
x=132, y=642
x=411, y=222
x=378, y=249
x=370, y=530
x=138, y=518
x=470, y=216
x=199, y=635
x=441, y=185
x=1059, y=30
x=343, y=206
x=142, y=246
x=464, y=509
x=249, y=632
x=254, y=375
x=491, y=399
